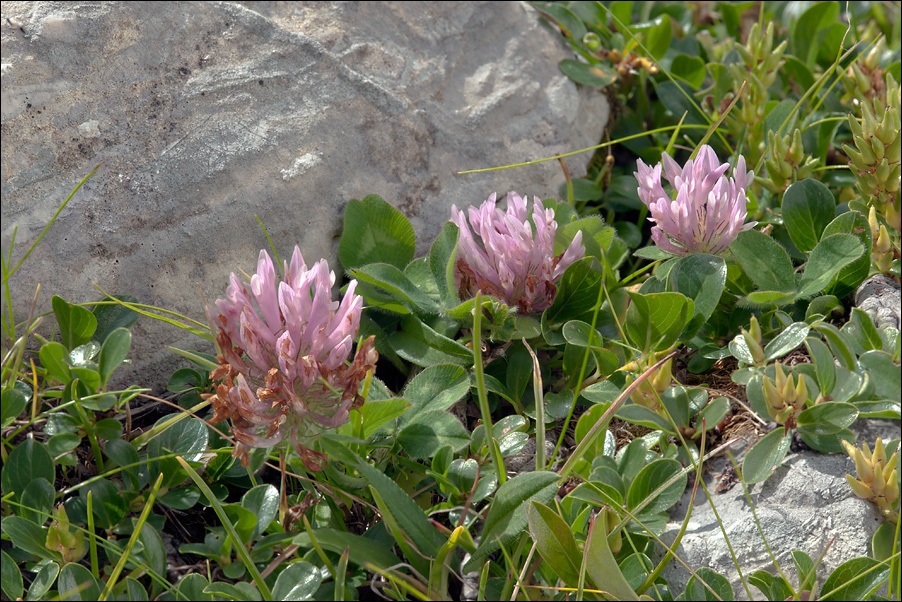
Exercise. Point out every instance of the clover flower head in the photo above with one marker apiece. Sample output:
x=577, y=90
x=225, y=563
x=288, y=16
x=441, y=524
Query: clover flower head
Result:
x=506, y=256
x=285, y=345
x=709, y=210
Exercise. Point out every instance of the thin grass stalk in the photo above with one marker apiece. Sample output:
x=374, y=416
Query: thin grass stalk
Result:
x=483, y=581
x=666, y=128
x=399, y=581
x=481, y=392
x=89, y=428
x=117, y=570
x=8, y=273
x=243, y=554
x=596, y=429
x=339, y=578
x=653, y=575
x=92, y=537
x=540, y=408
x=319, y=549
x=582, y=371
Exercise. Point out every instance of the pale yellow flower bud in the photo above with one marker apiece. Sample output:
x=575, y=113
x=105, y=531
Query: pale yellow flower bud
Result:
x=859, y=488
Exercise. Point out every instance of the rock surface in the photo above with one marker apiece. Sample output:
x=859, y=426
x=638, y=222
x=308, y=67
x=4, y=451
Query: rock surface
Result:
x=805, y=505
x=880, y=296
x=206, y=114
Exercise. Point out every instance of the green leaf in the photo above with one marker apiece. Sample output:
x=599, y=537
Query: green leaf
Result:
x=77, y=583
x=601, y=567
x=597, y=237
x=55, y=359
x=438, y=387
x=807, y=35
x=430, y=431
x=655, y=321
x=10, y=577
x=180, y=498
x=650, y=478
x=577, y=293
x=299, y=581
x=642, y=416
x=28, y=460
x=775, y=118
x=829, y=256
x=838, y=344
x=408, y=515
x=27, y=536
x=764, y=261
x=702, y=278
x=442, y=257
x=108, y=503
x=774, y=588
x=108, y=428
x=57, y=445
x=506, y=519
x=712, y=413
x=263, y=501
x=13, y=402
x=695, y=590
x=83, y=355
x=855, y=579
x=89, y=379
x=363, y=550
x=555, y=542
x=676, y=400
x=805, y=570
x=884, y=372
x=765, y=456
x=824, y=368
x=76, y=323
x=187, y=438
x=240, y=591
x=375, y=232
x=863, y=331
x=766, y=299
x=849, y=277
x=791, y=337
x=419, y=344
x=43, y=581
x=113, y=351
x=588, y=75
x=389, y=279
x=193, y=587
x=657, y=40
x=827, y=418
x=113, y=316
x=691, y=69
x=39, y=496
x=882, y=547
x=808, y=206
x=184, y=379
x=377, y=413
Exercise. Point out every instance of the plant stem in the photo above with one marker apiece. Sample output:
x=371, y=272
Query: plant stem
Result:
x=481, y=392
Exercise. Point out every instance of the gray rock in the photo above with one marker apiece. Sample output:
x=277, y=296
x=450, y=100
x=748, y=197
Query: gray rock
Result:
x=206, y=114
x=880, y=296
x=805, y=505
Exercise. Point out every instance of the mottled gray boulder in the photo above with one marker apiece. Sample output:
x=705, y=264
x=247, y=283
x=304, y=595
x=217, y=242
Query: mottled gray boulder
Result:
x=880, y=296
x=206, y=114
x=805, y=505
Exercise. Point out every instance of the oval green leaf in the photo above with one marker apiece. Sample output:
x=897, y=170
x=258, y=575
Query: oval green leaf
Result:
x=765, y=456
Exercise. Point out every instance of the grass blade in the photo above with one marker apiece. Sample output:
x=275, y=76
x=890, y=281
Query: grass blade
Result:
x=131, y=542
x=230, y=529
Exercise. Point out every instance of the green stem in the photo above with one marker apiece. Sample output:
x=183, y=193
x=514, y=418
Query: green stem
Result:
x=481, y=392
